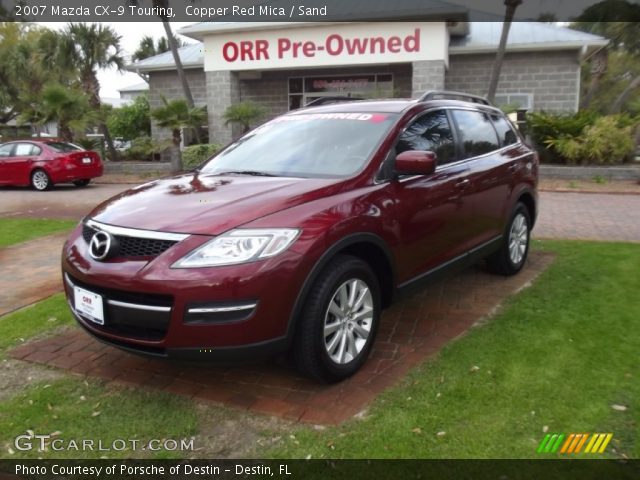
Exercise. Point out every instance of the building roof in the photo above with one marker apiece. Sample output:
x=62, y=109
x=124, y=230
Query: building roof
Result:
x=483, y=37
x=138, y=87
x=192, y=56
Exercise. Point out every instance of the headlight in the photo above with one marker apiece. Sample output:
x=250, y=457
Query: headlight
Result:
x=240, y=246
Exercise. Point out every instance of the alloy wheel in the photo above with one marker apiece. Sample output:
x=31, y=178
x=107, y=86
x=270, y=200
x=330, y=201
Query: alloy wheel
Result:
x=518, y=238
x=348, y=321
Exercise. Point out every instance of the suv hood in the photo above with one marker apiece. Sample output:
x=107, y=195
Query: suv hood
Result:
x=196, y=203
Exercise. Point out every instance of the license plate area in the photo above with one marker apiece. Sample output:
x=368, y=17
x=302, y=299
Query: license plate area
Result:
x=89, y=304
x=86, y=160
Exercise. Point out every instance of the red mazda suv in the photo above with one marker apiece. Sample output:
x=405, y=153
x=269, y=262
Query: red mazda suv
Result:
x=296, y=236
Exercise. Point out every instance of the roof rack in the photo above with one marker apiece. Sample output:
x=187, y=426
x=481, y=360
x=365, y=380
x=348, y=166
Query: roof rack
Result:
x=449, y=95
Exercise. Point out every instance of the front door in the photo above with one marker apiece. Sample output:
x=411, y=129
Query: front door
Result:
x=431, y=211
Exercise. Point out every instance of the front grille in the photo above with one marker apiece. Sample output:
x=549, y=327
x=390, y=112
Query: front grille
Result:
x=133, y=246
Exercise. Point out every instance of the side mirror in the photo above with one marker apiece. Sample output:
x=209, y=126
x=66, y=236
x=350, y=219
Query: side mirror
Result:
x=416, y=162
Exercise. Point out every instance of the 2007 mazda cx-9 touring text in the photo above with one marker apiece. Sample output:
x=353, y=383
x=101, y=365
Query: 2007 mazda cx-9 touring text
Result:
x=295, y=237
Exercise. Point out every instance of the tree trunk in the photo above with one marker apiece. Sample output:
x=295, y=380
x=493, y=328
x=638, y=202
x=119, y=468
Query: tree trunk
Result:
x=598, y=70
x=617, y=105
x=176, y=159
x=497, y=64
x=65, y=132
x=176, y=58
x=92, y=88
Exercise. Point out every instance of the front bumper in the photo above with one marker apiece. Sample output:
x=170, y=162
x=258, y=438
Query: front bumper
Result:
x=220, y=313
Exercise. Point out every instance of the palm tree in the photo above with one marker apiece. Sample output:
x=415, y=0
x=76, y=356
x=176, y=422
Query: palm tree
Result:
x=244, y=114
x=69, y=107
x=88, y=48
x=497, y=64
x=176, y=115
x=149, y=47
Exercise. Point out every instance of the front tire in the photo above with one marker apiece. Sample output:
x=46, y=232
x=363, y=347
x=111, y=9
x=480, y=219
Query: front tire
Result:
x=40, y=180
x=514, y=250
x=339, y=321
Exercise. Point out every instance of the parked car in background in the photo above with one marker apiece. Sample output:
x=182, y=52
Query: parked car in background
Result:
x=297, y=235
x=43, y=163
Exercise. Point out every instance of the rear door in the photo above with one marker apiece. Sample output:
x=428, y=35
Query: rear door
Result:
x=6, y=151
x=21, y=160
x=429, y=210
x=488, y=190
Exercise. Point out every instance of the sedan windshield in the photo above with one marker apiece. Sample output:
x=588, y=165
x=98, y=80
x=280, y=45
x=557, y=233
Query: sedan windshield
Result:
x=325, y=145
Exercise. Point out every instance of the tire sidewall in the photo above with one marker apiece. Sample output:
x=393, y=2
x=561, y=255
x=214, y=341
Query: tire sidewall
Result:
x=361, y=271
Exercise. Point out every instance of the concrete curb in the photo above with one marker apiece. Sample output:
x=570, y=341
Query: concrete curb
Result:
x=136, y=167
x=631, y=172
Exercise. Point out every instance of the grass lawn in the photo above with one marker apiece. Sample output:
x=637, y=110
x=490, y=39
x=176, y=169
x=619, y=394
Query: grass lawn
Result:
x=17, y=230
x=33, y=320
x=77, y=409
x=556, y=359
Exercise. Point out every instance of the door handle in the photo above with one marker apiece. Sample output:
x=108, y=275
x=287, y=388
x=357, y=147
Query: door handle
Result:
x=462, y=184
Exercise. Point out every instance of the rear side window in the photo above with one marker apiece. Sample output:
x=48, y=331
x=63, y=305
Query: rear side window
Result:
x=506, y=135
x=477, y=134
x=26, y=150
x=63, y=147
x=5, y=150
x=430, y=132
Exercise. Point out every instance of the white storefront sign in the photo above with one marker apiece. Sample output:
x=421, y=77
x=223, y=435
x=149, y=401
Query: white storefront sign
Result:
x=327, y=45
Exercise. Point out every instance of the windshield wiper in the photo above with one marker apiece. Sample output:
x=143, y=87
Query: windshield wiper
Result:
x=248, y=172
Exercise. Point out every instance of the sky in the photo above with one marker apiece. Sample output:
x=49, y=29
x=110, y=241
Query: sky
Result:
x=131, y=33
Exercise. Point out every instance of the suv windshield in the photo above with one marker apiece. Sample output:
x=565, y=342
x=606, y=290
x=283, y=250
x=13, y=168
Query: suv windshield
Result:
x=331, y=145
x=63, y=147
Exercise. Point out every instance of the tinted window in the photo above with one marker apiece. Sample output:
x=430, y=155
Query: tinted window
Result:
x=329, y=145
x=431, y=132
x=5, y=150
x=476, y=133
x=505, y=132
x=63, y=147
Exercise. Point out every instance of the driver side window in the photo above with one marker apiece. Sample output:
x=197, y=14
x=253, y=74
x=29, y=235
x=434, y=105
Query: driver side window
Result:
x=430, y=132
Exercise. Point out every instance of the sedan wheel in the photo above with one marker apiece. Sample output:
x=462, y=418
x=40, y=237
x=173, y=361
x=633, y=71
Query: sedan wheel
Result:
x=40, y=180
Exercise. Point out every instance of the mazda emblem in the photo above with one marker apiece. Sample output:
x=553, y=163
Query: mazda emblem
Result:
x=100, y=245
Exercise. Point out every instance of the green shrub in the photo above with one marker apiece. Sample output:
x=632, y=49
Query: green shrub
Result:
x=608, y=140
x=544, y=126
x=143, y=149
x=196, y=154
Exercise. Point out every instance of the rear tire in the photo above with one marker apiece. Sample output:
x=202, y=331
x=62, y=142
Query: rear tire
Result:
x=82, y=183
x=40, y=180
x=513, y=252
x=339, y=321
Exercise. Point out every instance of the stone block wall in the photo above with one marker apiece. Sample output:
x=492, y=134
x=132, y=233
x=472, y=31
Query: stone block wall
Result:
x=552, y=77
x=427, y=75
x=167, y=84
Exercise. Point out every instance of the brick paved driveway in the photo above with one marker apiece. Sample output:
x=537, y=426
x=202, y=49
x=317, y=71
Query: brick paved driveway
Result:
x=417, y=326
x=589, y=216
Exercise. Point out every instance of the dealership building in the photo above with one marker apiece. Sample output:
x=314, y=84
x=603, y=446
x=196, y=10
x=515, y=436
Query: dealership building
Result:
x=283, y=66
